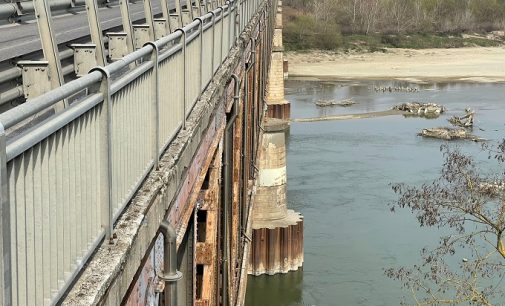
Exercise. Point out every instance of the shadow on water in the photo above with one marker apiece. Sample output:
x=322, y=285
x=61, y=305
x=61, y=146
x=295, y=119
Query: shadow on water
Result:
x=279, y=290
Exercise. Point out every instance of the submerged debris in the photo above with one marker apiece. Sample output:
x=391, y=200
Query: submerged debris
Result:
x=344, y=103
x=466, y=121
x=396, y=89
x=421, y=109
x=447, y=133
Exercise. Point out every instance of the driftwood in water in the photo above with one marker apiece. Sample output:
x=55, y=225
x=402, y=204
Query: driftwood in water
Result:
x=396, y=89
x=344, y=103
x=447, y=133
x=350, y=116
x=464, y=121
x=421, y=109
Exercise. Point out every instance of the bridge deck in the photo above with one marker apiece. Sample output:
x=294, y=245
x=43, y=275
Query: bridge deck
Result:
x=21, y=39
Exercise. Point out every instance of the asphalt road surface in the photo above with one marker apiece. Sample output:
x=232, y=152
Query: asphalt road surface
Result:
x=21, y=39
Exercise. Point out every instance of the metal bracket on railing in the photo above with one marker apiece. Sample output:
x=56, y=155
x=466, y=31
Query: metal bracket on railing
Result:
x=118, y=45
x=160, y=28
x=84, y=58
x=35, y=77
x=141, y=35
x=106, y=153
x=184, y=42
x=156, y=105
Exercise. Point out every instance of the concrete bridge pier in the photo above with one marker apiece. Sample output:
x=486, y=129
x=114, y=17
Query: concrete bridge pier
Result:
x=277, y=231
x=277, y=242
x=277, y=105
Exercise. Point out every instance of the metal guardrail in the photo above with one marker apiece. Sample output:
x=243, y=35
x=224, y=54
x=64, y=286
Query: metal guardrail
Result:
x=12, y=8
x=66, y=179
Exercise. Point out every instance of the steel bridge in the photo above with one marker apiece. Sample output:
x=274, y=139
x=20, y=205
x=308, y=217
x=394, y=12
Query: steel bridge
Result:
x=128, y=142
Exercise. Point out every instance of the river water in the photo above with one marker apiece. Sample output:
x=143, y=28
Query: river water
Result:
x=338, y=177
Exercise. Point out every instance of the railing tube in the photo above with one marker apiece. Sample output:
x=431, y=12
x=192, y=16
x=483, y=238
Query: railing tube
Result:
x=230, y=23
x=106, y=153
x=222, y=36
x=184, y=77
x=213, y=40
x=5, y=236
x=200, y=75
x=237, y=27
x=170, y=274
x=155, y=105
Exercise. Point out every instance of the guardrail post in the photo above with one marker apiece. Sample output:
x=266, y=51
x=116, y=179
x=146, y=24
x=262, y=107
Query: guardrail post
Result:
x=166, y=15
x=96, y=32
x=5, y=236
x=127, y=24
x=184, y=77
x=155, y=105
x=178, y=10
x=189, y=7
x=106, y=154
x=49, y=46
x=148, y=11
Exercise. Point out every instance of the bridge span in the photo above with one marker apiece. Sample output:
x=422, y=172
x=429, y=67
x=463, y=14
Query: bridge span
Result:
x=155, y=175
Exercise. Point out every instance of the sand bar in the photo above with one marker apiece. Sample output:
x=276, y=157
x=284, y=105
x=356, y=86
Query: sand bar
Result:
x=485, y=65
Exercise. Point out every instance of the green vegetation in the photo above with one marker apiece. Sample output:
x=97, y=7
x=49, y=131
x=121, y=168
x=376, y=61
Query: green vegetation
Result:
x=378, y=42
x=305, y=32
x=372, y=25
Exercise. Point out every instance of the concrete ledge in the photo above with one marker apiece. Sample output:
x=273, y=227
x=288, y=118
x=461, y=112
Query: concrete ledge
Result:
x=273, y=125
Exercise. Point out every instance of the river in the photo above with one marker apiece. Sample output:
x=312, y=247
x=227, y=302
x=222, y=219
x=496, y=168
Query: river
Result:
x=339, y=176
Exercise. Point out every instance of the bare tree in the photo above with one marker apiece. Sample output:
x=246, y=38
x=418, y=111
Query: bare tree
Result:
x=401, y=14
x=468, y=201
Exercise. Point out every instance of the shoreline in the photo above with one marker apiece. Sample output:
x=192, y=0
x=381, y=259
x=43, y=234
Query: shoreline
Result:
x=470, y=65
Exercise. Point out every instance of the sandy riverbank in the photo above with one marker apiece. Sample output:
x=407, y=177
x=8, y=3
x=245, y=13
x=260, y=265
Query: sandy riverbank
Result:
x=464, y=64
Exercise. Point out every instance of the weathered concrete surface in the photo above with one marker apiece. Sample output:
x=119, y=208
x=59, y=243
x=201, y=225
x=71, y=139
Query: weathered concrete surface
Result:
x=277, y=238
x=109, y=274
x=271, y=201
x=278, y=106
x=277, y=232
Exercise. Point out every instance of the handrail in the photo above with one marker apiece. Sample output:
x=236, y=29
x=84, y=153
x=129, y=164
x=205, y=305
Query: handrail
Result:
x=67, y=178
x=38, y=104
